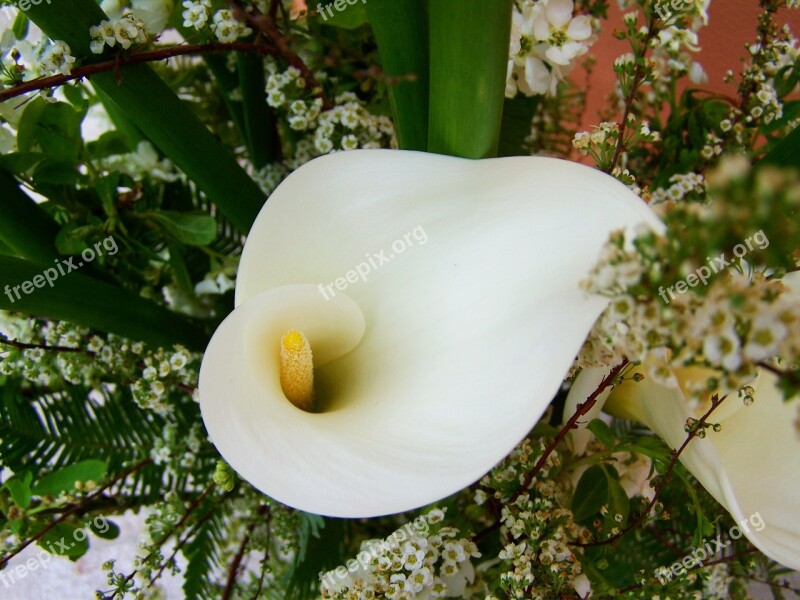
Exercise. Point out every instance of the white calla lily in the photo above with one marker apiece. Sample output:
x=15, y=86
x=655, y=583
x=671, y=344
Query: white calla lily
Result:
x=432, y=366
x=751, y=466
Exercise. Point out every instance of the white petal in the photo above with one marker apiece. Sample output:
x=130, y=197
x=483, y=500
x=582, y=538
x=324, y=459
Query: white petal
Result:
x=468, y=333
x=580, y=28
x=559, y=12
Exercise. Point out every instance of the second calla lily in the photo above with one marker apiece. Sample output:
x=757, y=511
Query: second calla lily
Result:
x=751, y=466
x=437, y=302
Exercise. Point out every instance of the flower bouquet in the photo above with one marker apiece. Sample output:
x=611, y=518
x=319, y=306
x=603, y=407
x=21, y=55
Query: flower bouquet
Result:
x=379, y=299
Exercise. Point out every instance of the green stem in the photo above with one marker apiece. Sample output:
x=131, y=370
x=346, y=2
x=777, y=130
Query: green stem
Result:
x=401, y=31
x=469, y=53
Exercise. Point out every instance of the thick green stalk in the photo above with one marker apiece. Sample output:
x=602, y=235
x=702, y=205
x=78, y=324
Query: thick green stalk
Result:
x=401, y=31
x=469, y=53
x=81, y=299
x=155, y=109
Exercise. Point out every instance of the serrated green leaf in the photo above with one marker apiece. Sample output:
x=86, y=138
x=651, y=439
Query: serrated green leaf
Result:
x=64, y=479
x=590, y=494
x=194, y=230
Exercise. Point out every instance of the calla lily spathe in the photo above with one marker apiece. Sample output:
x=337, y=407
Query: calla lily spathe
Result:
x=751, y=466
x=433, y=367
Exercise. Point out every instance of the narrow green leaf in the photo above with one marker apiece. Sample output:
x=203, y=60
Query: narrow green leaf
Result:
x=157, y=111
x=80, y=299
x=401, y=31
x=259, y=119
x=64, y=479
x=590, y=493
x=468, y=58
x=516, y=126
x=24, y=226
x=786, y=153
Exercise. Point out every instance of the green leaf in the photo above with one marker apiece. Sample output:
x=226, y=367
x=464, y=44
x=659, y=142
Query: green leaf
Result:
x=194, y=230
x=468, y=60
x=110, y=143
x=57, y=172
x=401, y=32
x=83, y=300
x=57, y=131
x=517, y=116
x=64, y=479
x=104, y=529
x=24, y=226
x=590, y=494
x=259, y=119
x=160, y=115
x=618, y=503
x=71, y=239
x=107, y=190
x=180, y=272
x=602, y=432
x=786, y=153
x=63, y=540
x=19, y=162
x=19, y=487
x=28, y=124
x=348, y=17
x=20, y=26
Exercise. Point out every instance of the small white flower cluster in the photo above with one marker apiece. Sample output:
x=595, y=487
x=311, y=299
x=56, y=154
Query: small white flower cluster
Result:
x=225, y=27
x=178, y=452
x=145, y=162
x=683, y=185
x=347, y=126
x=433, y=564
x=125, y=31
x=269, y=177
x=164, y=370
x=546, y=41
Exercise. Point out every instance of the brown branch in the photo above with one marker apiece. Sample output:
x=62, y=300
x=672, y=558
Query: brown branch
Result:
x=42, y=532
x=264, y=559
x=133, y=59
x=266, y=25
x=31, y=346
x=237, y=559
x=580, y=411
x=790, y=375
x=638, y=79
x=700, y=425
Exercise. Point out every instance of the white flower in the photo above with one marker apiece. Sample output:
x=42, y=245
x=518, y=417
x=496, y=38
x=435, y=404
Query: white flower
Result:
x=430, y=358
x=56, y=58
x=723, y=349
x=566, y=36
x=751, y=466
x=765, y=336
x=227, y=28
x=195, y=15
x=126, y=32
